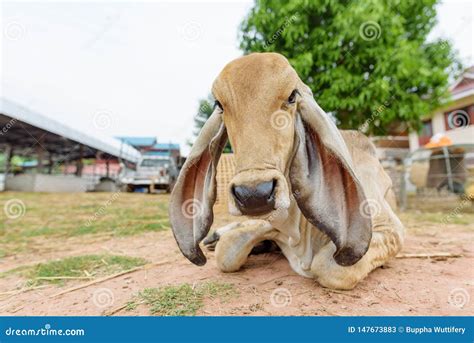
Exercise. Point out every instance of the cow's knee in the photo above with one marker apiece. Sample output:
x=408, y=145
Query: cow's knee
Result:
x=228, y=258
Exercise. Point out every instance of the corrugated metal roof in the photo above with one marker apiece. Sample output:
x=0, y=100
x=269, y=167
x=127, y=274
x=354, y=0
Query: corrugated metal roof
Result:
x=105, y=144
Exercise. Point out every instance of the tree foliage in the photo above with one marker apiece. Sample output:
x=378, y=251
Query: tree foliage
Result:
x=369, y=63
x=206, y=107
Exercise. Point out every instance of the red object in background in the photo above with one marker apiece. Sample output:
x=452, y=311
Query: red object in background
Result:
x=426, y=132
x=98, y=168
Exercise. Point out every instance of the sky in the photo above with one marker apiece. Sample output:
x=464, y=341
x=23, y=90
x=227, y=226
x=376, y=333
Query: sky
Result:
x=138, y=69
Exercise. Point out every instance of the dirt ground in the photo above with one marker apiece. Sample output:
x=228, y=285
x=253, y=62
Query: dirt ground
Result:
x=265, y=286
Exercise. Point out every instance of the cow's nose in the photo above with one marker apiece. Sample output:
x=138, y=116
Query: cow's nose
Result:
x=255, y=200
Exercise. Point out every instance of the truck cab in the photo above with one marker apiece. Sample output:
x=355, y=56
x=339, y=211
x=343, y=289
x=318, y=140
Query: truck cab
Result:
x=152, y=173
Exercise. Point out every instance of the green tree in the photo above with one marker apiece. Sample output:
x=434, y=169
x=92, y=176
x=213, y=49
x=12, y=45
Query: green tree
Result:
x=206, y=107
x=368, y=63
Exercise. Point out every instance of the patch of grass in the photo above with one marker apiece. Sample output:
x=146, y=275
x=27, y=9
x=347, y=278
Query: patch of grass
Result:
x=58, y=216
x=218, y=289
x=158, y=225
x=443, y=204
x=440, y=218
x=182, y=300
x=84, y=230
x=58, y=271
x=40, y=231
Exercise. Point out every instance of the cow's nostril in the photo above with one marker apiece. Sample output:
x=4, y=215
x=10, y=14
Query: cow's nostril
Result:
x=255, y=200
x=240, y=193
x=272, y=194
x=266, y=190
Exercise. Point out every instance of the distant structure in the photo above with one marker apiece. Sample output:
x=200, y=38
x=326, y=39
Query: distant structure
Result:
x=140, y=143
x=455, y=119
x=150, y=146
x=55, y=157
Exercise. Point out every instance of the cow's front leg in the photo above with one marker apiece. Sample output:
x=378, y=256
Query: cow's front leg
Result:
x=211, y=240
x=235, y=245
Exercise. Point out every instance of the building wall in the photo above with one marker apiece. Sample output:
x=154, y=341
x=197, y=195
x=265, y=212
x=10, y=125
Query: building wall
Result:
x=413, y=139
x=47, y=183
x=462, y=135
x=458, y=136
x=438, y=123
x=98, y=168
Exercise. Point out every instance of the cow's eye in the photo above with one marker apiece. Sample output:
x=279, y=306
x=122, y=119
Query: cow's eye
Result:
x=218, y=105
x=292, y=97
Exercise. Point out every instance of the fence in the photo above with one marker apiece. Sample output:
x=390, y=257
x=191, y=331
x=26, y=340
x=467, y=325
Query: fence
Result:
x=436, y=174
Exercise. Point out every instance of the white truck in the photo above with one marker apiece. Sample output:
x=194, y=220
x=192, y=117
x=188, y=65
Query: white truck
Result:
x=152, y=173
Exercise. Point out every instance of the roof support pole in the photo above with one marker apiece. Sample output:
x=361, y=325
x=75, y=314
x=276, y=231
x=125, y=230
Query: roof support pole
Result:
x=448, y=169
x=107, y=168
x=8, y=158
x=39, y=157
x=79, y=163
x=50, y=165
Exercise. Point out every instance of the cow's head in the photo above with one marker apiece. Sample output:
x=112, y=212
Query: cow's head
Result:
x=285, y=147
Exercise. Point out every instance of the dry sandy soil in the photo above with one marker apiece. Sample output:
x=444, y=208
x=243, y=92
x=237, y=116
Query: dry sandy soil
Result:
x=265, y=286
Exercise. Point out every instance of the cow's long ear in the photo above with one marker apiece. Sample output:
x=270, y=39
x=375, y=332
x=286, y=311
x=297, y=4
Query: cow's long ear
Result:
x=324, y=182
x=194, y=194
